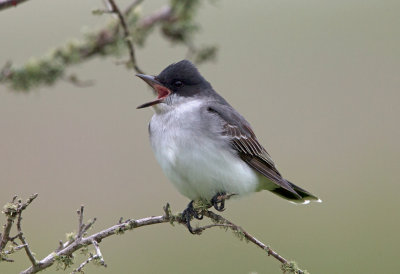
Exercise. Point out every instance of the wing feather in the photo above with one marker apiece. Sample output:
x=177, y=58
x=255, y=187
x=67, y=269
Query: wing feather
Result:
x=244, y=141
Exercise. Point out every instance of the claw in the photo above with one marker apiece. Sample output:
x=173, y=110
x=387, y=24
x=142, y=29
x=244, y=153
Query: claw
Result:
x=190, y=213
x=218, y=201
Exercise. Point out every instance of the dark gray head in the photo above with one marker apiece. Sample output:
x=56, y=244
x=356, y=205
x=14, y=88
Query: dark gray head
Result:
x=180, y=78
x=183, y=78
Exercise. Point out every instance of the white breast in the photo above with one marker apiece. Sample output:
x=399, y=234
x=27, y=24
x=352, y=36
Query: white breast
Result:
x=194, y=161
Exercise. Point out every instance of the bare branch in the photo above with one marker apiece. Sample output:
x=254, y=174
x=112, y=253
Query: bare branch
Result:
x=10, y=3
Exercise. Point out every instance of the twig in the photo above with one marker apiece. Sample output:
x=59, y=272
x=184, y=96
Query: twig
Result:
x=5, y=236
x=92, y=257
x=220, y=219
x=12, y=239
x=5, y=70
x=10, y=3
x=80, y=223
x=98, y=253
x=89, y=225
x=132, y=6
x=21, y=235
x=163, y=14
x=14, y=210
x=13, y=249
x=73, y=79
x=199, y=230
x=127, y=36
x=82, y=265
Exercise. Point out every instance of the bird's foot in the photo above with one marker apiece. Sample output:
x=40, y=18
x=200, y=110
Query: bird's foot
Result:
x=218, y=201
x=189, y=213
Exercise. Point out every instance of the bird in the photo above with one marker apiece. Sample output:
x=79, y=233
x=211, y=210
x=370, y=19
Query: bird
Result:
x=205, y=147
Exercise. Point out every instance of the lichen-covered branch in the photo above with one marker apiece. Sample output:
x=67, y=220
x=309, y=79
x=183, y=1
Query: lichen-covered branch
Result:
x=176, y=20
x=63, y=255
x=12, y=211
x=287, y=266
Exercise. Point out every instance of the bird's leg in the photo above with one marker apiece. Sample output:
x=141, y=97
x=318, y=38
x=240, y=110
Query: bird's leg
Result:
x=188, y=214
x=218, y=201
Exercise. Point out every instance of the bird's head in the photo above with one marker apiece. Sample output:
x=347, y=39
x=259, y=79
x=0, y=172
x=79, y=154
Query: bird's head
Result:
x=180, y=79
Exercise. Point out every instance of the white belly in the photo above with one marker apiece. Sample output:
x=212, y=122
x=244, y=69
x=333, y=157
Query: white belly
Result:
x=197, y=166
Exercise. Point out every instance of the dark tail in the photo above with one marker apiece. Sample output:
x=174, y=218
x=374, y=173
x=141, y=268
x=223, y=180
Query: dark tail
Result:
x=303, y=197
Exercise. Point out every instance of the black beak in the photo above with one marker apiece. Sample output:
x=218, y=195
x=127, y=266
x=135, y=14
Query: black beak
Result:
x=161, y=90
x=149, y=79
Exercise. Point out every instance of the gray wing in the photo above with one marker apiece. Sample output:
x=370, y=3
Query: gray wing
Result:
x=244, y=141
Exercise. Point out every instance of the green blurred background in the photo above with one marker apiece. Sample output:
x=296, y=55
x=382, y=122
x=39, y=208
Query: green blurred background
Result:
x=318, y=80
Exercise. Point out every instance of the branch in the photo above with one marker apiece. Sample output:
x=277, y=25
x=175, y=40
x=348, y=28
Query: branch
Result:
x=127, y=36
x=10, y=212
x=176, y=21
x=163, y=14
x=63, y=255
x=98, y=253
x=10, y=3
x=242, y=233
x=50, y=68
x=23, y=241
x=13, y=210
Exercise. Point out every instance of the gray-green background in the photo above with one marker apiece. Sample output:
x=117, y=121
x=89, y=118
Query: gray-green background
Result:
x=318, y=80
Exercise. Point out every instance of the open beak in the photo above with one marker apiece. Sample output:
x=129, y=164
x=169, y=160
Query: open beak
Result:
x=161, y=90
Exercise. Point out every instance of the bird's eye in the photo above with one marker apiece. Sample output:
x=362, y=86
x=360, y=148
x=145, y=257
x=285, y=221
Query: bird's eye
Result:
x=178, y=84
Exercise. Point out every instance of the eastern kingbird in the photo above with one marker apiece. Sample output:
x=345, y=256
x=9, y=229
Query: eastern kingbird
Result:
x=204, y=146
